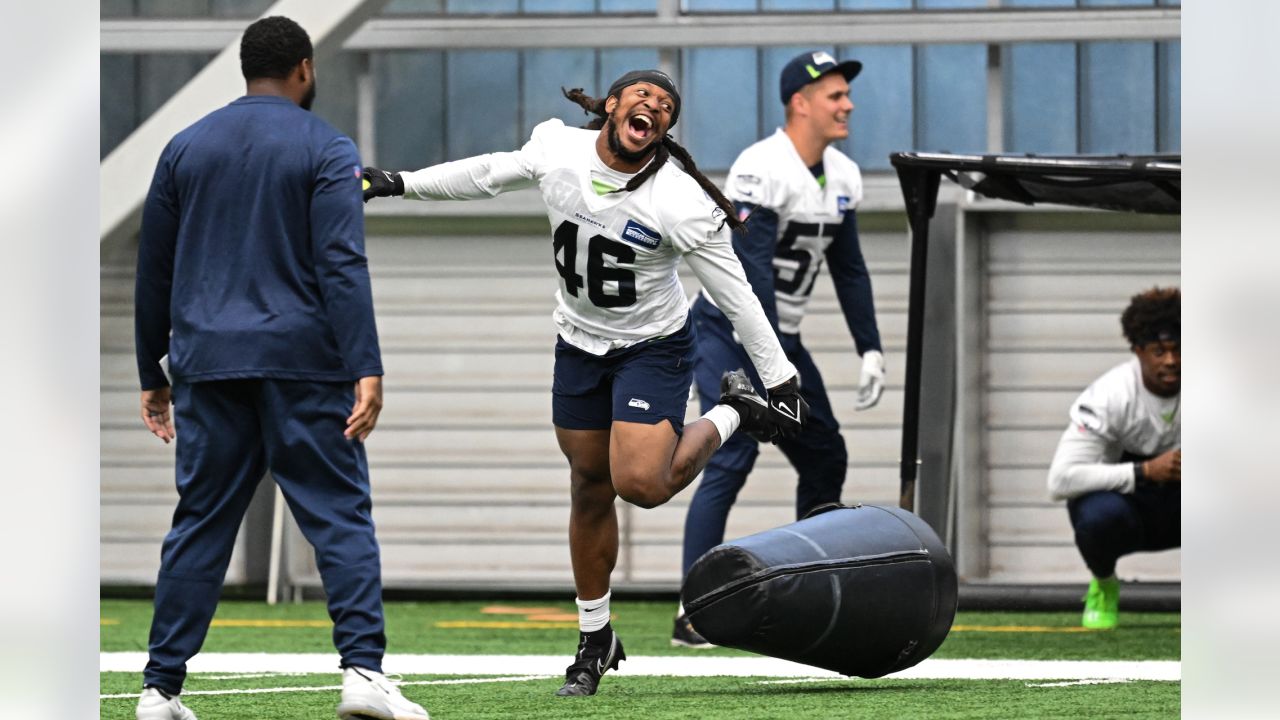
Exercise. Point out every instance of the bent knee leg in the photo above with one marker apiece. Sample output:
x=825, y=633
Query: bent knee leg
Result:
x=646, y=490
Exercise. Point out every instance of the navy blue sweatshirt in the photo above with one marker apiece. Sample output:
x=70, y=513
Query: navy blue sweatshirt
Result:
x=252, y=252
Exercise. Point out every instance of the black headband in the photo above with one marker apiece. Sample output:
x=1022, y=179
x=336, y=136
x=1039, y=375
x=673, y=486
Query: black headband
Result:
x=1169, y=333
x=653, y=77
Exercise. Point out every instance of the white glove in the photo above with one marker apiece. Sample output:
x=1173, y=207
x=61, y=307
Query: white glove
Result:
x=871, y=385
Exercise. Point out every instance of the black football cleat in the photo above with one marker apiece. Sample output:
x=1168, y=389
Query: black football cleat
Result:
x=736, y=392
x=684, y=635
x=598, y=653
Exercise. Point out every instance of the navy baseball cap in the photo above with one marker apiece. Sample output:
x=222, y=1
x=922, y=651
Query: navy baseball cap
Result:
x=807, y=67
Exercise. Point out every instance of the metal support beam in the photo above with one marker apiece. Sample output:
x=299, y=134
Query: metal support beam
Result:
x=126, y=173
x=994, y=26
x=920, y=190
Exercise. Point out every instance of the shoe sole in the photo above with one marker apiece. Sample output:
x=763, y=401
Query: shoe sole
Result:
x=363, y=714
x=692, y=646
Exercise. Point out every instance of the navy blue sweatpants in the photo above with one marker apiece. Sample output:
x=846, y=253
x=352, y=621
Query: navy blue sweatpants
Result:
x=818, y=453
x=1109, y=525
x=229, y=433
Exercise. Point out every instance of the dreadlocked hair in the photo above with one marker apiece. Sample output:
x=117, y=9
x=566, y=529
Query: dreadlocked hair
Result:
x=666, y=148
x=1150, y=312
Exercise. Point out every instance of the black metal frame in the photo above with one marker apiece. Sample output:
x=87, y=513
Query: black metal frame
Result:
x=1059, y=180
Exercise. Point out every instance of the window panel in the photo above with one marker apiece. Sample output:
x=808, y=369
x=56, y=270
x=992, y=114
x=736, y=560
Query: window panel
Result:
x=118, y=100
x=336, y=91
x=409, y=122
x=162, y=75
x=882, y=97
x=947, y=4
x=173, y=8
x=875, y=4
x=481, y=7
x=115, y=9
x=483, y=104
x=534, y=7
x=1038, y=3
x=1117, y=97
x=796, y=5
x=629, y=6
x=694, y=6
x=1116, y=3
x=720, y=104
x=414, y=7
x=543, y=73
x=616, y=63
x=772, y=60
x=239, y=8
x=952, y=95
x=1170, y=116
x=1040, y=98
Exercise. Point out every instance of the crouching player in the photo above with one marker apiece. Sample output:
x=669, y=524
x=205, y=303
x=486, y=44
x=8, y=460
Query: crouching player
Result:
x=1119, y=463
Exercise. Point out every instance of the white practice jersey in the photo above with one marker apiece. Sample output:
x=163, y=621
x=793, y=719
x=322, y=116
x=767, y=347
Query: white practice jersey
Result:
x=1115, y=415
x=616, y=254
x=771, y=174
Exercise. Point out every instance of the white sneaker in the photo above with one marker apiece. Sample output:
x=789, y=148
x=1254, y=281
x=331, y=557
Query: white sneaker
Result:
x=155, y=705
x=367, y=695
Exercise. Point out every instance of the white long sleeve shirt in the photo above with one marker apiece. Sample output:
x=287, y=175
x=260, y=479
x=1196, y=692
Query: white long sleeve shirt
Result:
x=617, y=253
x=1115, y=415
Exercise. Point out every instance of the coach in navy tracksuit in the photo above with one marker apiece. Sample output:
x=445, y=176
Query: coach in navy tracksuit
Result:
x=252, y=256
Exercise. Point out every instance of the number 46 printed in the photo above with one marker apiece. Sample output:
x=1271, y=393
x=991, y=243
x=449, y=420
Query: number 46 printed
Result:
x=565, y=244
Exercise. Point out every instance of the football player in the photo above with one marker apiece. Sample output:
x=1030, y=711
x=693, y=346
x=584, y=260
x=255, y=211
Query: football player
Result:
x=798, y=195
x=1119, y=462
x=622, y=216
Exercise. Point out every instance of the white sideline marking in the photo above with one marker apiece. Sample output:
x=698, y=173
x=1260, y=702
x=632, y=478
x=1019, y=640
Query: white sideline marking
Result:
x=932, y=669
x=261, y=691
x=1095, y=681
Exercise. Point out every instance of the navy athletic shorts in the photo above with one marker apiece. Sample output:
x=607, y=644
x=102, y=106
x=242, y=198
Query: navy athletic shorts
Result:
x=644, y=383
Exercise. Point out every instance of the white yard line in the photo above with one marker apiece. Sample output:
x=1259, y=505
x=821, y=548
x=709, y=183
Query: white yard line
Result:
x=553, y=665
x=325, y=688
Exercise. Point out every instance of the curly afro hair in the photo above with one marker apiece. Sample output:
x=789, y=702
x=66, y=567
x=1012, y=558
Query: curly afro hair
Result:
x=273, y=46
x=1153, y=313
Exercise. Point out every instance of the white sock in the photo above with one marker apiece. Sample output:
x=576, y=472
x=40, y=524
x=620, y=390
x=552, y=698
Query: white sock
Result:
x=726, y=420
x=593, y=614
x=680, y=609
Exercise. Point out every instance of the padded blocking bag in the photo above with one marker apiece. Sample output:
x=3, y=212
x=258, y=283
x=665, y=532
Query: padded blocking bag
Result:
x=864, y=590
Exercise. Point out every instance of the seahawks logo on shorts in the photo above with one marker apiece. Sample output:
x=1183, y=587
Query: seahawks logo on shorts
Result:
x=638, y=403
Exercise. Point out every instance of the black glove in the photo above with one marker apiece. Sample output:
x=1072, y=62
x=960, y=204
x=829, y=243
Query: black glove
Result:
x=380, y=183
x=788, y=410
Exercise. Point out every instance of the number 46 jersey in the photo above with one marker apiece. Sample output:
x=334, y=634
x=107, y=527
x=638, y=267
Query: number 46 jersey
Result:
x=616, y=253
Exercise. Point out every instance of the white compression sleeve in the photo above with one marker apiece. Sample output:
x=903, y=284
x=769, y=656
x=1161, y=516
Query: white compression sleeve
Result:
x=476, y=177
x=1080, y=465
x=722, y=276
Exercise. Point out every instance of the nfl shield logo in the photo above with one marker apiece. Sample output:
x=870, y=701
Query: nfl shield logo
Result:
x=842, y=203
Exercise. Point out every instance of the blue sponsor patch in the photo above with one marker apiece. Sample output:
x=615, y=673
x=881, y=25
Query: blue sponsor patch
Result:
x=637, y=234
x=842, y=203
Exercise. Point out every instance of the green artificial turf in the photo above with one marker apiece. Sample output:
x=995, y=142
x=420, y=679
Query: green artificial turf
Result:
x=644, y=626
x=652, y=698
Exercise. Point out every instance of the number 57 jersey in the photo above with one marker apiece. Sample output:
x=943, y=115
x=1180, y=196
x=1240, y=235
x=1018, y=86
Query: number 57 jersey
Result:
x=810, y=210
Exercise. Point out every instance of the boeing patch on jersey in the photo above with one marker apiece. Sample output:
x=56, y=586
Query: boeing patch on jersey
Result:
x=747, y=179
x=637, y=234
